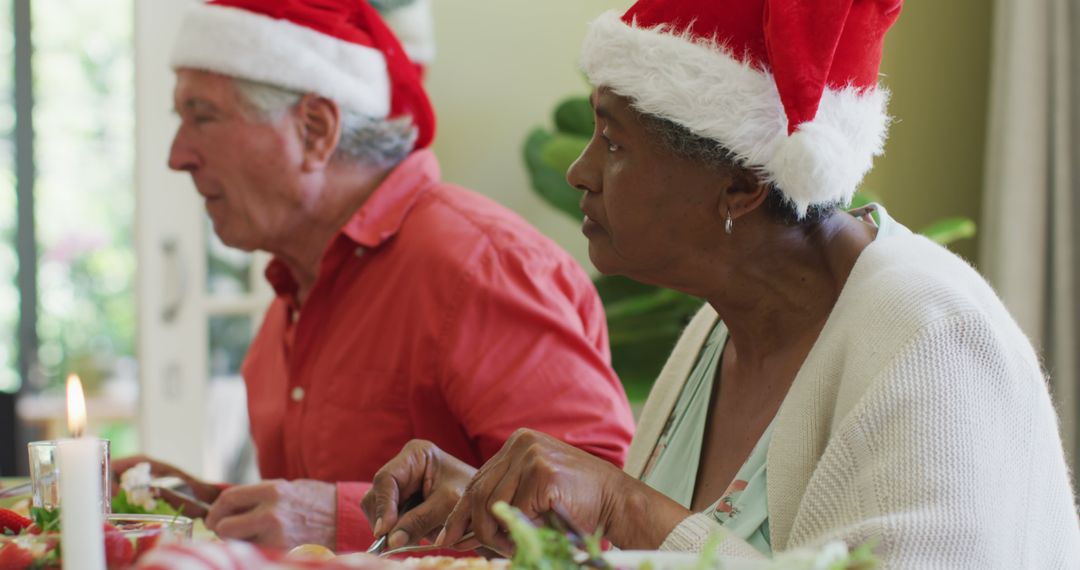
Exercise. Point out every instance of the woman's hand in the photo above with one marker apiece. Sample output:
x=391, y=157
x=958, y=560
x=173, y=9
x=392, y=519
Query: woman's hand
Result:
x=206, y=492
x=537, y=473
x=421, y=467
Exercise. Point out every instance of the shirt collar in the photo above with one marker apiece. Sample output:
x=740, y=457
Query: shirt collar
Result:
x=381, y=216
x=379, y=219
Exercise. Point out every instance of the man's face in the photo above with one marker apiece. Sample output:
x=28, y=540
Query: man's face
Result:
x=246, y=168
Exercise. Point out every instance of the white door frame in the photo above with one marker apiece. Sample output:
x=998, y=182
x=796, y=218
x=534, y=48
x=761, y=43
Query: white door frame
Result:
x=170, y=245
x=174, y=306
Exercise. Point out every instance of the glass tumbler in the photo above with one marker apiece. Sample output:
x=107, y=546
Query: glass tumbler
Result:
x=45, y=475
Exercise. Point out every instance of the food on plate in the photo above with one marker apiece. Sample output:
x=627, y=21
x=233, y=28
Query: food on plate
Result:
x=137, y=496
x=135, y=483
x=243, y=556
x=451, y=563
x=18, y=500
x=35, y=543
x=12, y=523
x=557, y=545
x=311, y=552
x=22, y=507
x=363, y=560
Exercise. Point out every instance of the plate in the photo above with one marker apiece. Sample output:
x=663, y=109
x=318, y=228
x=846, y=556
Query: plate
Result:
x=665, y=560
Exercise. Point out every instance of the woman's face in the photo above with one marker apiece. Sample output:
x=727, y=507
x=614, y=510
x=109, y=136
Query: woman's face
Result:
x=647, y=210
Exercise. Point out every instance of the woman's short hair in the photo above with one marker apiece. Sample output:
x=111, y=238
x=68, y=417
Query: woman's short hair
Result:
x=381, y=143
x=685, y=144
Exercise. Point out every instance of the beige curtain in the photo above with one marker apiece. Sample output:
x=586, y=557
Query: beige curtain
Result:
x=1030, y=231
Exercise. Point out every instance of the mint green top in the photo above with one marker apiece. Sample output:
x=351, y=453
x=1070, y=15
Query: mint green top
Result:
x=743, y=508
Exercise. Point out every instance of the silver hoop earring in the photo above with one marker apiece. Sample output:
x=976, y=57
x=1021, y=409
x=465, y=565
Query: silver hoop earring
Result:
x=728, y=223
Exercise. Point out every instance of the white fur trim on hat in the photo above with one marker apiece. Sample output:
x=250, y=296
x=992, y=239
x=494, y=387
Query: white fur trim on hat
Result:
x=251, y=46
x=701, y=86
x=414, y=26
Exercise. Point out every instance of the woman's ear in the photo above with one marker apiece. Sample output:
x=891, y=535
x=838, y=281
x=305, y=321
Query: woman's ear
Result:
x=319, y=122
x=745, y=193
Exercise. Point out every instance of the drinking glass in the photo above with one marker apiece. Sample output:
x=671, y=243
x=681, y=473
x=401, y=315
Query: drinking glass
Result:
x=45, y=475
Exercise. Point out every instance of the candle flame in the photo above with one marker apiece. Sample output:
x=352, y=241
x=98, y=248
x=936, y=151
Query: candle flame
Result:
x=76, y=407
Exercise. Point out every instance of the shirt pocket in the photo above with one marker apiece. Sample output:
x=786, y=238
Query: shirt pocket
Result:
x=366, y=418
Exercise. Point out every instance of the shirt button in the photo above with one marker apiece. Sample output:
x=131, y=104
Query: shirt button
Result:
x=359, y=251
x=298, y=394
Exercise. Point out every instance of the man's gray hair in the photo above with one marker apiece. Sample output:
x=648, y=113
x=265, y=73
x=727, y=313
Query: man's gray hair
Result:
x=381, y=143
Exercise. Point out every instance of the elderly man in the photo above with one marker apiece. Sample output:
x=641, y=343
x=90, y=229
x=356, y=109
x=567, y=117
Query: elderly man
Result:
x=406, y=307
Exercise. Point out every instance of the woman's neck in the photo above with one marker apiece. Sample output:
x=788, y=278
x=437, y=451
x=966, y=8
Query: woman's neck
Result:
x=776, y=294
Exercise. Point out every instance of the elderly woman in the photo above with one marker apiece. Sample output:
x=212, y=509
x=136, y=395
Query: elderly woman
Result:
x=847, y=379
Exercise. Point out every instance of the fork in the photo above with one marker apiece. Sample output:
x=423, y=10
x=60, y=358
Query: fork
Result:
x=424, y=547
x=379, y=546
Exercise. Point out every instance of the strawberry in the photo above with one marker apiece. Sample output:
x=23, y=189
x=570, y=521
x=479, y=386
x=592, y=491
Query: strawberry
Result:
x=14, y=557
x=145, y=543
x=118, y=550
x=12, y=522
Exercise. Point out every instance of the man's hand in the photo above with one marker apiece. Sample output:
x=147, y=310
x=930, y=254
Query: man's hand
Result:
x=421, y=467
x=277, y=514
x=206, y=492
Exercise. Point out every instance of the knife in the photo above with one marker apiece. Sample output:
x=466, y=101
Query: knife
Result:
x=164, y=486
x=16, y=491
x=191, y=506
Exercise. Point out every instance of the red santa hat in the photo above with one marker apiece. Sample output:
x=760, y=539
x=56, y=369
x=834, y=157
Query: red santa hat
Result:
x=788, y=86
x=414, y=25
x=340, y=49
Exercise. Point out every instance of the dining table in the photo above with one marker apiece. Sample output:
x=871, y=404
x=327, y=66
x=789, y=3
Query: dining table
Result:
x=205, y=544
x=8, y=482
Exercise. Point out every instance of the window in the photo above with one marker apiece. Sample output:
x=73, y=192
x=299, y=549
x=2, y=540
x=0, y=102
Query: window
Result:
x=81, y=214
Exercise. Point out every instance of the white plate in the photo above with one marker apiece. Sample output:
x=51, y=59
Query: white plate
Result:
x=663, y=560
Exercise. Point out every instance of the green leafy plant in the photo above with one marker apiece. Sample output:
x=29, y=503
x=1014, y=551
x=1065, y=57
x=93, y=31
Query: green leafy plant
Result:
x=644, y=321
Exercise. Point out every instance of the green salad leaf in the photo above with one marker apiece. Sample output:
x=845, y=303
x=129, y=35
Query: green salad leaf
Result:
x=121, y=505
x=48, y=520
x=559, y=545
x=544, y=548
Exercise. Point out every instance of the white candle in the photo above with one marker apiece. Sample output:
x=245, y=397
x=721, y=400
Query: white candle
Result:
x=82, y=538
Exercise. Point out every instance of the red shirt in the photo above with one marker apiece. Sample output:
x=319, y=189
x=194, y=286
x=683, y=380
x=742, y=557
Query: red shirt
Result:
x=437, y=314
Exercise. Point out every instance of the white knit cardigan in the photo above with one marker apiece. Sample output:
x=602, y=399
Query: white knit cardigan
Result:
x=920, y=420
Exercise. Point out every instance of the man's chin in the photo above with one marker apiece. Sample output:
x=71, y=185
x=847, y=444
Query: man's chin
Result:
x=234, y=241
x=241, y=245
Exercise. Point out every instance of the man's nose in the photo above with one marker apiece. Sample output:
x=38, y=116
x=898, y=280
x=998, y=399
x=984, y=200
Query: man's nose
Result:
x=181, y=156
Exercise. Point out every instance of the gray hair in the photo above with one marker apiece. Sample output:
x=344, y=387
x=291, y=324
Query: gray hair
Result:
x=686, y=144
x=381, y=143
